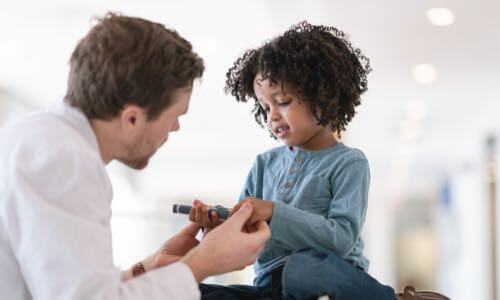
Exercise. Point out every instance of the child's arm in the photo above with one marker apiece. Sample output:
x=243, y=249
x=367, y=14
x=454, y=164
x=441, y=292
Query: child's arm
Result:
x=262, y=209
x=252, y=192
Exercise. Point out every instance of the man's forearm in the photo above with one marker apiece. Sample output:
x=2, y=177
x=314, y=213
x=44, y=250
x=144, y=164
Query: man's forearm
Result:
x=135, y=270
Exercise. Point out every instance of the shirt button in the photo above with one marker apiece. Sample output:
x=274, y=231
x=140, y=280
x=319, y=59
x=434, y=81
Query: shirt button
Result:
x=292, y=171
x=287, y=184
x=297, y=159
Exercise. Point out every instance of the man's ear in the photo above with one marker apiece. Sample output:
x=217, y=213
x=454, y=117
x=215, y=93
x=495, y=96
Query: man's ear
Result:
x=132, y=116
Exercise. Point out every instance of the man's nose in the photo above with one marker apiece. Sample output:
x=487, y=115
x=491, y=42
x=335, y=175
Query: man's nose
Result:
x=176, y=126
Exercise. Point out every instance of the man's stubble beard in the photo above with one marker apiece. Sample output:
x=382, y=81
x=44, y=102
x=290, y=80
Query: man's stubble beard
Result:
x=131, y=160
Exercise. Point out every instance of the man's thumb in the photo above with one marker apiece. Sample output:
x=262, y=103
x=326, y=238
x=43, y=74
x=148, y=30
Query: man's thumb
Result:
x=191, y=229
x=242, y=215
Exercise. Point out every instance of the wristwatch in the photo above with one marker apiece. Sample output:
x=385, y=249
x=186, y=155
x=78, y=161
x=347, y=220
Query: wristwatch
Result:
x=138, y=269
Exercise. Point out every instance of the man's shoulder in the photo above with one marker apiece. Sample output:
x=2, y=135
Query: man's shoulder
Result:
x=39, y=132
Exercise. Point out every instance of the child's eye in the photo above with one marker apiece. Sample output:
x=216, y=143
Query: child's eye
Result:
x=284, y=103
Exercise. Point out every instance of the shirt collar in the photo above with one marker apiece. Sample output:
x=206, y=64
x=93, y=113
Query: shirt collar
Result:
x=77, y=120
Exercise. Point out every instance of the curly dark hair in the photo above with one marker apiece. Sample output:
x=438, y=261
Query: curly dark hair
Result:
x=317, y=62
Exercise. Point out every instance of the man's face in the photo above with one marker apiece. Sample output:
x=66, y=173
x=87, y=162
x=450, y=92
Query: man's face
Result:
x=150, y=135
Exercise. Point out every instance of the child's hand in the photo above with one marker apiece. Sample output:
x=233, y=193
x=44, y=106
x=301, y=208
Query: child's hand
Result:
x=199, y=214
x=262, y=210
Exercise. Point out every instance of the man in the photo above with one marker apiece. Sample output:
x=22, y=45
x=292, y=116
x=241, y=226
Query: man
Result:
x=130, y=80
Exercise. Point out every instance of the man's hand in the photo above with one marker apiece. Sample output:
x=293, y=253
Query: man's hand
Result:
x=171, y=251
x=177, y=246
x=199, y=214
x=262, y=210
x=228, y=247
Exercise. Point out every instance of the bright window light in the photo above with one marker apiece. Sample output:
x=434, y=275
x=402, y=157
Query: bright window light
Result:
x=416, y=110
x=9, y=49
x=440, y=16
x=425, y=73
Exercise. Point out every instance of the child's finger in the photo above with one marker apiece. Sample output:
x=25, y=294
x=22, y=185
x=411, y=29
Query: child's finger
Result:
x=192, y=214
x=214, y=219
x=205, y=216
x=198, y=202
x=199, y=214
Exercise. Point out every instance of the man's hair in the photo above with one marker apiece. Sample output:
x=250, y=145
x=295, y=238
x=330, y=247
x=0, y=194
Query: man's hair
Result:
x=317, y=63
x=125, y=60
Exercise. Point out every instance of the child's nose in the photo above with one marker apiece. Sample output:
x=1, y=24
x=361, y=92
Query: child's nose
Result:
x=273, y=114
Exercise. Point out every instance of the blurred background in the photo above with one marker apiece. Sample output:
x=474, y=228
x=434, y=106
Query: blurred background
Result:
x=428, y=124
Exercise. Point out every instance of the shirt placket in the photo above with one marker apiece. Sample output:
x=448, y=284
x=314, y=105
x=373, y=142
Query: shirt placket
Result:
x=290, y=177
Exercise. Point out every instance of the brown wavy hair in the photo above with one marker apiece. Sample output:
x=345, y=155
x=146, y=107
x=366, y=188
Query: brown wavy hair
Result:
x=316, y=62
x=126, y=60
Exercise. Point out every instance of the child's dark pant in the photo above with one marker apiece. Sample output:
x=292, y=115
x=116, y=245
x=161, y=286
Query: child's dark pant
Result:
x=308, y=274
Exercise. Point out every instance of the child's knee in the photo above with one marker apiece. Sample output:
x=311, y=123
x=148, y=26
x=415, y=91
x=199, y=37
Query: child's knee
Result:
x=312, y=272
x=314, y=260
x=306, y=271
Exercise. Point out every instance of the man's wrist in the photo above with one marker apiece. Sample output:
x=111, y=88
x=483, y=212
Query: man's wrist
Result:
x=138, y=269
x=197, y=266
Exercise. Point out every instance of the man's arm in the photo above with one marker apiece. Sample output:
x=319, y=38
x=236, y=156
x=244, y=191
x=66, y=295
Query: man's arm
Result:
x=171, y=251
x=227, y=248
x=57, y=217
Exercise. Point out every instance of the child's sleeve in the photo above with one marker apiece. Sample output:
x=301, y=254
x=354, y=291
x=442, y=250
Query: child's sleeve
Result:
x=254, y=182
x=338, y=232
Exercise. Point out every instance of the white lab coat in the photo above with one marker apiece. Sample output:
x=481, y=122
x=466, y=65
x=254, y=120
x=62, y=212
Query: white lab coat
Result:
x=55, y=209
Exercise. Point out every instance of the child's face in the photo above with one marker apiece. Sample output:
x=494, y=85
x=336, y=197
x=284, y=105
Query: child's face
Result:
x=289, y=118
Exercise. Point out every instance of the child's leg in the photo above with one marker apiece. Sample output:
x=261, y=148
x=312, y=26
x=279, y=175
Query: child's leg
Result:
x=232, y=292
x=311, y=273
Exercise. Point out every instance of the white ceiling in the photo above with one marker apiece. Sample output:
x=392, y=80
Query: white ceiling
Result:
x=411, y=133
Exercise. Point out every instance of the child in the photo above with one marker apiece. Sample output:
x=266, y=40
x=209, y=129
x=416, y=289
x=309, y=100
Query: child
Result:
x=313, y=190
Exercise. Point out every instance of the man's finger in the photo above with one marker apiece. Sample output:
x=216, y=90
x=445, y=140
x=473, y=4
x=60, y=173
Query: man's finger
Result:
x=235, y=208
x=241, y=216
x=191, y=229
x=262, y=232
x=238, y=206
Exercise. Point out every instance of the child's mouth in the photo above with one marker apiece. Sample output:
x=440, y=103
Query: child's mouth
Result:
x=281, y=131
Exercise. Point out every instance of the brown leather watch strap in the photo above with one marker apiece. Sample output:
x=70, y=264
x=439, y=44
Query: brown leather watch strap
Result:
x=138, y=269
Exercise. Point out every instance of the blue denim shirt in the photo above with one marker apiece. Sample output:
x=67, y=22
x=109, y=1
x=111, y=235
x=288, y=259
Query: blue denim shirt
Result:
x=320, y=200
